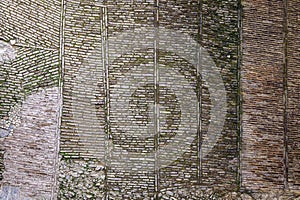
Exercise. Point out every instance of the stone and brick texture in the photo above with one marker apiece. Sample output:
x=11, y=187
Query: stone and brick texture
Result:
x=134, y=101
x=83, y=121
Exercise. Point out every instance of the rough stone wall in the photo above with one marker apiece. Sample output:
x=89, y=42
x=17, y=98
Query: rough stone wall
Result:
x=81, y=179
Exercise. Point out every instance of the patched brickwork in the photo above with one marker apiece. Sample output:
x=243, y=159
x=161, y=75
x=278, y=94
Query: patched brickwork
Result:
x=30, y=152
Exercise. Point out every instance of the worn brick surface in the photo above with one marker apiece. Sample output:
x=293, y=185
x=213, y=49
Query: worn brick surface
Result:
x=263, y=108
x=293, y=74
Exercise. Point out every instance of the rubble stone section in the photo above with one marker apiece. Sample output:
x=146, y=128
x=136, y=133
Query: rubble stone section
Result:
x=293, y=75
x=263, y=107
x=7, y=52
x=81, y=179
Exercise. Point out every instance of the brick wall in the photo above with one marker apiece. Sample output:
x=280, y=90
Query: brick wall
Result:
x=122, y=103
x=293, y=75
x=270, y=81
x=84, y=133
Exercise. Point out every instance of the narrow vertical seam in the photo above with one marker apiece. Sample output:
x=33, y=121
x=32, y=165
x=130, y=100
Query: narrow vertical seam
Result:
x=104, y=37
x=239, y=96
x=55, y=187
x=199, y=94
x=156, y=97
x=285, y=91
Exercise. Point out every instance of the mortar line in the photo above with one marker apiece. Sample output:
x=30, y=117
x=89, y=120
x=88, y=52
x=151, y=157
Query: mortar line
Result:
x=239, y=97
x=104, y=36
x=38, y=48
x=285, y=91
x=199, y=94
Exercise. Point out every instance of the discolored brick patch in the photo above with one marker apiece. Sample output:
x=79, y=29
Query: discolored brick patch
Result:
x=30, y=153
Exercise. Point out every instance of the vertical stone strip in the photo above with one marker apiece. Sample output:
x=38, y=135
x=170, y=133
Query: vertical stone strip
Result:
x=199, y=94
x=105, y=74
x=156, y=98
x=239, y=95
x=263, y=106
x=55, y=190
x=293, y=80
x=285, y=93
